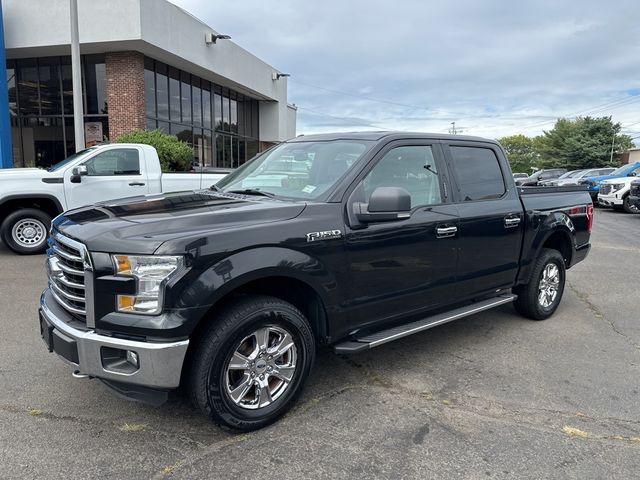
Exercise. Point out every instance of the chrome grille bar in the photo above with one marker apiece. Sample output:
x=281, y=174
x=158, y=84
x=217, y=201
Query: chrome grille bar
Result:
x=67, y=263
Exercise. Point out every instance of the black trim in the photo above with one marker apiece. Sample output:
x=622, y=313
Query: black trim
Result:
x=53, y=180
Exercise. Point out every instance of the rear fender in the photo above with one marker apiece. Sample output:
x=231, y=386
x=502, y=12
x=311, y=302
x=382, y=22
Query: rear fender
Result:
x=544, y=226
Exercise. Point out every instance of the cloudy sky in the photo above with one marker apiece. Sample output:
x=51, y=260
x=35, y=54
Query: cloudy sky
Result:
x=493, y=67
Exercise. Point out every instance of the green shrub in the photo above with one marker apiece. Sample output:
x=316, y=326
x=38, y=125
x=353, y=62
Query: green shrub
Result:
x=175, y=155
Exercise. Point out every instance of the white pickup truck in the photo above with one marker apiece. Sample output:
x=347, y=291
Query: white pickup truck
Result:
x=31, y=197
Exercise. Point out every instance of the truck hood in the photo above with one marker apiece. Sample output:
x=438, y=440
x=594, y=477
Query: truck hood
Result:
x=624, y=180
x=139, y=225
x=14, y=174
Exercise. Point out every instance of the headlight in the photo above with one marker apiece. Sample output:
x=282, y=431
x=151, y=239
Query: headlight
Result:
x=617, y=186
x=151, y=273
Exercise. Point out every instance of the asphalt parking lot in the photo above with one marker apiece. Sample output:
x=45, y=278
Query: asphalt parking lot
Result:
x=490, y=396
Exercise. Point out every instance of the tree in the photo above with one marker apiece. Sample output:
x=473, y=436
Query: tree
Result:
x=521, y=152
x=175, y=155
x=585, y=142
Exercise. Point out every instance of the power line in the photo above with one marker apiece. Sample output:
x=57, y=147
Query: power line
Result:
x=364, y=97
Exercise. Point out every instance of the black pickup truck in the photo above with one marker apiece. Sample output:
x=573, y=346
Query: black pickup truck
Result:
x=634, y=194
x=349, y=240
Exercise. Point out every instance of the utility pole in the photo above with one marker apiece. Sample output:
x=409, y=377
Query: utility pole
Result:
x=76, y=78
x=452, y=130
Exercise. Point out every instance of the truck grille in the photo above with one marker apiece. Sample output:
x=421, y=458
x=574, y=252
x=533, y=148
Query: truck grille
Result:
x=605, y=188
x=66, y=264
x=635, y=189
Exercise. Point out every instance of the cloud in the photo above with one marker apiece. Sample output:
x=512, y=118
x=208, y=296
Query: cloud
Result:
x=494, y=67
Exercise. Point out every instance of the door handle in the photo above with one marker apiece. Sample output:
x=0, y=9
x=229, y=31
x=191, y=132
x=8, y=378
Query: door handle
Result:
x=445, y=232
x=136, y=184
x=510, y=222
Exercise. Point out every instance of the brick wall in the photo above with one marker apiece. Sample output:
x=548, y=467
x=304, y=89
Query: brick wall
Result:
x=125, y=92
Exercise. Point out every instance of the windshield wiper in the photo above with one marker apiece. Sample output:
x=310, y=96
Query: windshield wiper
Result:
x=253, y=191
x=215, y=188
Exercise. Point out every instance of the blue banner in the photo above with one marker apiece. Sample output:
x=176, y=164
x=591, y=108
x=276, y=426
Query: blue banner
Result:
x=6, y=150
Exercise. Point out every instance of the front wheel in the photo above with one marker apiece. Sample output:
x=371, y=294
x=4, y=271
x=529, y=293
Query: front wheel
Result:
x=539, y=299
x=25, y=231
x=251, y=363
x=629, y=207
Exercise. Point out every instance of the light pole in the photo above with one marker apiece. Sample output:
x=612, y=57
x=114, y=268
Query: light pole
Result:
x=612, y=142
x=76, y=79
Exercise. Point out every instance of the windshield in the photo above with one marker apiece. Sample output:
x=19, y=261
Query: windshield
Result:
x=70, y=159
x=299, y=170
x=623, y=170
x=573, y=174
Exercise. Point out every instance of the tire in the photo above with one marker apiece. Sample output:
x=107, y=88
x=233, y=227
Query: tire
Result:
x=211, y=376
x=25, y=231
x=629, y=207
x=530, y=302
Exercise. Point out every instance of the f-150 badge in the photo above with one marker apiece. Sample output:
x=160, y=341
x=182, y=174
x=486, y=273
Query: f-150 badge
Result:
x=326, y=235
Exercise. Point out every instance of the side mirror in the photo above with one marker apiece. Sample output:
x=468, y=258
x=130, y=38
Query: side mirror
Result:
x=385, y=204
x=77, y=173
x=633, y=174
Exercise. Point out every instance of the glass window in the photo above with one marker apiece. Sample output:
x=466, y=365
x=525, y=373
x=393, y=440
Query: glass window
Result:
x=67, y=86
x=151, y=124
x=174, y=94
x=412, y=168
x=163, y=126
x=303, y=170
x=28, y=87
x=95, y=79
x=206, y=105
x=207, y=160
x=197, y=104
x=219, y=150
x=185, y=89
x=149, y=88
x=218, y=111
x=240, y=120
x=11, y=85
x=162, y=91
x=478, y=173
x=242, y=152
x=114, y=162
x=225, y=114
x=50, y=95
x=233, y=116
x=198, y=147
x=252, y=149
x=227, y=159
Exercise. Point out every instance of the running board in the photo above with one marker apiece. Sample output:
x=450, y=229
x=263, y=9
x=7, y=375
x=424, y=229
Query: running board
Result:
x=359, y=344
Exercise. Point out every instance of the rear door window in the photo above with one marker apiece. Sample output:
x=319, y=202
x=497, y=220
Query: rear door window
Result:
x=478, y=173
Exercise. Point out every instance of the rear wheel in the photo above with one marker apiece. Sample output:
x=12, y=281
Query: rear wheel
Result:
x=629, y=207
x=25, y=231
x=539, y=299
x=250, y=365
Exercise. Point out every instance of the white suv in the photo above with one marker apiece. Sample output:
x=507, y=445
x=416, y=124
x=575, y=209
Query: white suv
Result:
x=615, y=193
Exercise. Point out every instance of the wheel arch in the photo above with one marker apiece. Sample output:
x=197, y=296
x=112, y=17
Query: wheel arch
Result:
x=286, y=274
x=47, y=203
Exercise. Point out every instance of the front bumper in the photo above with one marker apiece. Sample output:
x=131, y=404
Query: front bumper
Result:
x=610, y=200
x=92, y=354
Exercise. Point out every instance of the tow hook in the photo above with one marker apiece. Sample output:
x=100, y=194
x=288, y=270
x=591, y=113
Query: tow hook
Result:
x=77, y=374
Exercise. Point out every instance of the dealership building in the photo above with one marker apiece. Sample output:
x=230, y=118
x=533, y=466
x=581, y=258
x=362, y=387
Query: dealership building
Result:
x=146, y=64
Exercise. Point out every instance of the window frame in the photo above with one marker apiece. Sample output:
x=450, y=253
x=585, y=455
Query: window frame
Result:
x=436, y=150
x=455, y=190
